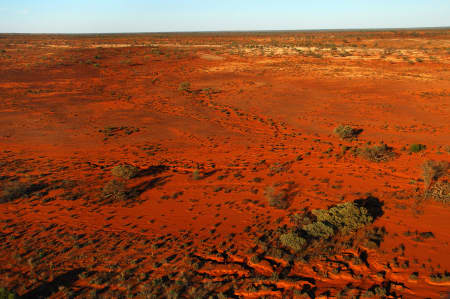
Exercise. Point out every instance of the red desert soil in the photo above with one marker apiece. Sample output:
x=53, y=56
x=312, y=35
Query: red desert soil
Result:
x=217, y=124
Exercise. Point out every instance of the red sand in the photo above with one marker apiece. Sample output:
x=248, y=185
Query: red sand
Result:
x=254, y=100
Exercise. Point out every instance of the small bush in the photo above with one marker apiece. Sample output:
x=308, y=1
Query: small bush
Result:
x=433, y=170
x=415, y=148
x=346, y=132
x=347, y=217
x=125, y=171
x=196, y=175
x=377, y=153
x=185, y=86
x=293, y=241
x=341, y=219
x=115, y=190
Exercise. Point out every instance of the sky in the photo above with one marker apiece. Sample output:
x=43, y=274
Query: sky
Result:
x=105, y=16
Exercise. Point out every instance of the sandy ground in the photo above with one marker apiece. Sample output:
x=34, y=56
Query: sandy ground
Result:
x=213, y=122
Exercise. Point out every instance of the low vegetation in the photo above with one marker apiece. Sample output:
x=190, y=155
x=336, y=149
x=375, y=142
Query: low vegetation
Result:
x=346, y=132
x=114, y=190
x=125, y=171
x=323, y=225
x=416, y=147
x=6, y=294
x=433, y=170
x=440, y=192
x=196, y=175
x=185, y=87
x=435, y=176
x=293, y=240
x=377, y=153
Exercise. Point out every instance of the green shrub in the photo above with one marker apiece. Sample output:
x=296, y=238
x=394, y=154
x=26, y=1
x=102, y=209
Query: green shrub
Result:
x=346, y=217
x=196, y=174
x=293, y=241
x=377, y=153
x=345, y=132
x=323, y=225
x=415, y=148
x=125, y=171
x=6, y=294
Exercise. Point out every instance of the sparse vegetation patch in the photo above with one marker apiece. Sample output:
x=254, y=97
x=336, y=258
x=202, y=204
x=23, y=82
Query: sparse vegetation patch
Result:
x=185, y=87
x=433, y=170
x=115, y=190
x=346, y=132
x=377, y=153
x=415, y=148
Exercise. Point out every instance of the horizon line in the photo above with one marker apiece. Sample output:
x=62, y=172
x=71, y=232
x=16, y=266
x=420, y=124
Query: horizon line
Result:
x=234, y=31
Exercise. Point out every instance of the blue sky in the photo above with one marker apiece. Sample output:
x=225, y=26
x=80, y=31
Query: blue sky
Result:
x=84, y=16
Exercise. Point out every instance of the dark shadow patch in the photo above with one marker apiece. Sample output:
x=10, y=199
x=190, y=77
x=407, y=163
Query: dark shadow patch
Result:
x=372, y=204
x=47, y=289
x=141, y=188
x=152, y=170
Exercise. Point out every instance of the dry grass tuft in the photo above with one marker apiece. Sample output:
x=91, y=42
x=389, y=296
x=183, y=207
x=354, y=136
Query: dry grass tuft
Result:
x=115, y=190
x=346, y=132
x=440, y=192
x=433, y=170
x=377, y=153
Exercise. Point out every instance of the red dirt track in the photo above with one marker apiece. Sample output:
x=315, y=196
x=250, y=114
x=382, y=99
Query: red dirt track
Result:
x=259, y=111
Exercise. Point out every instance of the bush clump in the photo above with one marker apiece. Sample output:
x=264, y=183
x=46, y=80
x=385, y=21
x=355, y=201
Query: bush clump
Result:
x=115, y=190
x=346, y=217
x=341, y=219
x=417, y=147
x=125, y=171
x=440, y=192
x=377, y=153
x=346, y=132
x=319, y=230
x=293, y=241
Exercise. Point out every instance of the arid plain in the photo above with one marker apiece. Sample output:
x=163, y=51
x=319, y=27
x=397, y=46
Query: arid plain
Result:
x=197, y=165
